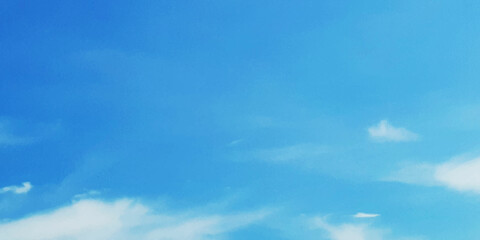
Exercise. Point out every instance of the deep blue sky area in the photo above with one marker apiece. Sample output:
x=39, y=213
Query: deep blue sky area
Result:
x=206, y=120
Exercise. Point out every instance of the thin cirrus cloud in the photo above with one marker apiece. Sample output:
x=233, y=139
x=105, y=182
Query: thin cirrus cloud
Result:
x=87, y=194
x=235, y=142
x=291, y=153
x=8, y=137
x=123, y=219
x=354, y=231
x=385, y=132
x=459, y=174
x=366, y=215
x=24, y=188
x=348, y=231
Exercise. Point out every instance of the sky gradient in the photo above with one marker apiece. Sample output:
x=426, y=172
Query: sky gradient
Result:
x=206, y=120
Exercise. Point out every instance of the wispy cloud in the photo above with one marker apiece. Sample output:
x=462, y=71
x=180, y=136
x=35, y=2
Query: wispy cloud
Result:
x=292, y=153
x=8, y=138
x=87, y=194
x=123, y=219
x=384, y=132
x=349, y=231
x=459, y=174
x=366, y=215
x=355, y=231
x=414, y=173
x=26, y=187
x=235, y=142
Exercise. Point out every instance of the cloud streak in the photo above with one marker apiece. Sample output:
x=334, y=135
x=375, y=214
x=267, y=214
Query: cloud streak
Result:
x=459, y=174
x=366, y=215
x=25, y=188
x=384, y=132
x=123, y=219
x=349, y=231
x=355, y=231
x=292, y=153
x=7, y=138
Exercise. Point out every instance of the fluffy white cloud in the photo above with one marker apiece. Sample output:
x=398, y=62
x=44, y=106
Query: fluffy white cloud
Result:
x=459, y=174
x=121, y=220
x=384, y=132
x=26, y=187
x=366, y=215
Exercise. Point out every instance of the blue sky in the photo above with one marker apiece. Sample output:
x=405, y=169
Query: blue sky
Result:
x=199, y=120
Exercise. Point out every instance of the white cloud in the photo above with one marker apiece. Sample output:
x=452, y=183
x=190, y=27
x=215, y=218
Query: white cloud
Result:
x=355, y=231
x=384, y=132
x=87, y=194
x=122, y=220
x=349, y=231
x=26, y=187
x=292, y=153
x=459, y=174
x=205, y=227
x=366, y=215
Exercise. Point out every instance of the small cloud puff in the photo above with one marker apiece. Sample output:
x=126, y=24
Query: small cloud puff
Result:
x=26, y=187
x=384, y=132
x=366, y=215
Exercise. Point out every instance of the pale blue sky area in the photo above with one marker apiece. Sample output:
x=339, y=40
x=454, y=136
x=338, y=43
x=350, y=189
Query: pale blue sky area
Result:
x=199, y=120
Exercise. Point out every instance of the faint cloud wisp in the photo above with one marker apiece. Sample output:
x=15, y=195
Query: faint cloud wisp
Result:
x=459, y=174
x=348, y=231
x=355, y=231
x=123, y=219
x=385, y=132
x=292, y=153
x=7, y=138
